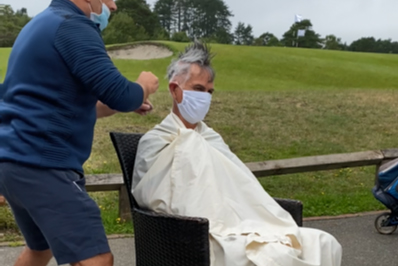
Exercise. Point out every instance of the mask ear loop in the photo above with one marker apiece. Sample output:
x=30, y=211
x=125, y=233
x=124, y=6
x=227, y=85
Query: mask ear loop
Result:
x=89, y=4
x=102, y=7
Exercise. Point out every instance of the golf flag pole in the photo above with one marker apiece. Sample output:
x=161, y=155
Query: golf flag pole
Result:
x=298, y=18
x=300, y=33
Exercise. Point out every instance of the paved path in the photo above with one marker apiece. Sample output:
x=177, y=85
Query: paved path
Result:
x=362, y=245
x=122, y=249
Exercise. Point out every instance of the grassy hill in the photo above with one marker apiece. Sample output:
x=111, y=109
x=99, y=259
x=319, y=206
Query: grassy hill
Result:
x=274, y=103
x=4, y=53
x=273, y=68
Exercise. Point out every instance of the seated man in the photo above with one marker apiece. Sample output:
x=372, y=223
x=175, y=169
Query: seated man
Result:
x=184, y=168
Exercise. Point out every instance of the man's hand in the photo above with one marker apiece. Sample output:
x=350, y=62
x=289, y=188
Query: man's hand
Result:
x=104, y=111
x=145, y=108
x=149, y=82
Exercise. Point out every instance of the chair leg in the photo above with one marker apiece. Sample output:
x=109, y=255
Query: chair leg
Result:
x=124, y=204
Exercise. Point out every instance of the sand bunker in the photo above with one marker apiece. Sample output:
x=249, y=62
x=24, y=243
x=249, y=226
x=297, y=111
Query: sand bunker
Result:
x=141, y=52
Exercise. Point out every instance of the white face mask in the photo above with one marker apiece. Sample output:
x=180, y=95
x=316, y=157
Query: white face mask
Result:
x=194, y=105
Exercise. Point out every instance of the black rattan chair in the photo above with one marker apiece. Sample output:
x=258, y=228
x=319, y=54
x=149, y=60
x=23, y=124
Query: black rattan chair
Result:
x=162, y=240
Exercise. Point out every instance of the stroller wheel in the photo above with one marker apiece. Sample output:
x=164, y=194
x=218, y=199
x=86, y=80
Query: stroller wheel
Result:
x=381, y=224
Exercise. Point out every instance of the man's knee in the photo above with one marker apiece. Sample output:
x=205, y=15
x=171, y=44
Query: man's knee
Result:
x=99, y=260
x=39, y=253
x=34, y=257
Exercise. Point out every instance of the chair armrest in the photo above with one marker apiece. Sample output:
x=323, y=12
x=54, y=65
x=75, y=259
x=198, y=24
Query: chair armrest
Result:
x=294, y=207
x=163, y=239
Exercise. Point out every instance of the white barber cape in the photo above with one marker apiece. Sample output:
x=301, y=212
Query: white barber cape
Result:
x=194, y=173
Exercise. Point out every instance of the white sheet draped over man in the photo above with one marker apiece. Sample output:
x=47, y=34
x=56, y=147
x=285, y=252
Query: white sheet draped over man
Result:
x=184, y=167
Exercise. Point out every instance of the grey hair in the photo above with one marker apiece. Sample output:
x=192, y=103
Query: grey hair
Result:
x=196, y=53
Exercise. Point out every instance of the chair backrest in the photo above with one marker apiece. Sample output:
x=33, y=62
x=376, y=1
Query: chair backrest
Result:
x=126, y=145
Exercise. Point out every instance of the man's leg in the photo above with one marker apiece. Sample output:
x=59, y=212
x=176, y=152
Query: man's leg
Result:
x=30, y=257
x=100, y=260
x=37, y=252
x=67, y=218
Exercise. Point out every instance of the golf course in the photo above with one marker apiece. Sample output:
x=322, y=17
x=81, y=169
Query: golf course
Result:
x=270, y=103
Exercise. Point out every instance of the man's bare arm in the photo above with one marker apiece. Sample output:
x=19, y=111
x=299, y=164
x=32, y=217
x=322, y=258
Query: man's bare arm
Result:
x=104, y=111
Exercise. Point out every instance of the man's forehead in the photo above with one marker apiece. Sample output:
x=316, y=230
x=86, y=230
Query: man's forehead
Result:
x=195, y=69
x=198, y=73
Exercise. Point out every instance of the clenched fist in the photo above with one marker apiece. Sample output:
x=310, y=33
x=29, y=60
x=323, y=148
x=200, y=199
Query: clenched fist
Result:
x=149, y=82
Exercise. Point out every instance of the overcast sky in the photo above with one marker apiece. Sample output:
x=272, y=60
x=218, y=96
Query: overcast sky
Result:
x=347, y=19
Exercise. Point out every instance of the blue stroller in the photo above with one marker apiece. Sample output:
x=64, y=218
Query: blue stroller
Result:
x=386, y=191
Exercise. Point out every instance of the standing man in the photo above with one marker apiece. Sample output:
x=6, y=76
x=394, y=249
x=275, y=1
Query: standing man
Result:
x=59, y=81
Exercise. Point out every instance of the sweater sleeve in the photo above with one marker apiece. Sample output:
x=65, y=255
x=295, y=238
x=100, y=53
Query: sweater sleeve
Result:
x=2, y=91
x=82, y=49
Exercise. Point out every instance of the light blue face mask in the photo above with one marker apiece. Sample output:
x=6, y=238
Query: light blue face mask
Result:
x=102, y=19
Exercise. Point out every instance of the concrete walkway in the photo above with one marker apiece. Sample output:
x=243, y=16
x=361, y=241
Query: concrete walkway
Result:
x=362, y=245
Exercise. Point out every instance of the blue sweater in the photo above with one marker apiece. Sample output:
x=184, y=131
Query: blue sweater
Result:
x=57, y=70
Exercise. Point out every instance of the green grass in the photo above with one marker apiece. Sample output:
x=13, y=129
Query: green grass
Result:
x=275, y=103
x=4, y=53
x=108, y=203
x=262, y=126
x=273, y=68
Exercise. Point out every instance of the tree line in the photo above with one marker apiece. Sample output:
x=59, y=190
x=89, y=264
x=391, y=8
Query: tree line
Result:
x=11, y=24
x=207, y=20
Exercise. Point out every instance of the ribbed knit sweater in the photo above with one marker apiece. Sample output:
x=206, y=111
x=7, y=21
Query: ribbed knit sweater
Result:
x=57, y=71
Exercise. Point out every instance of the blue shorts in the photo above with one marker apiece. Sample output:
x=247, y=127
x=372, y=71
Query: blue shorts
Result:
x=54, y=211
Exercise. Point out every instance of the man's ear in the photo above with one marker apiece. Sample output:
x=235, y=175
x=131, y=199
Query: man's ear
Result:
x=172, y=88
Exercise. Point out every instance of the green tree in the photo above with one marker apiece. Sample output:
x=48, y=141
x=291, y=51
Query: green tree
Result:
x=122, y=29
x=211, y=17
x=183, y=12
x=180, y=37
x=370, y=44
x=364, y=45
x=141, y=13
x=161, y=34
x=220, y=36
x=243, y=34
x=394, y=47
x=274, y=42
x=11, y=23
x=266, y=39
x=22, y=12
x=200, y=19
x=164, y=11
x=333, y=43
x=223, y=35
x=383, y=46
x=174, y=14
x=310, y=40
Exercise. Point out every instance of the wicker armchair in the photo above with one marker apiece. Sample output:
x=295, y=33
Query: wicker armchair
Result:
x=162, y=240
